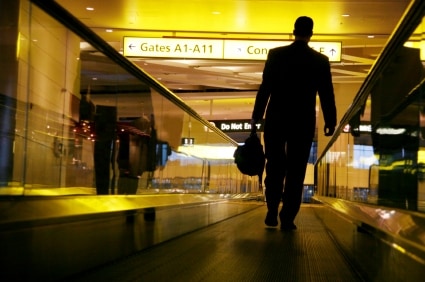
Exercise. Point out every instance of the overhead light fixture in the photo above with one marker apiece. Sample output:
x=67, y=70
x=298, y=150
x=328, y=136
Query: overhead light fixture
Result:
x=89, y=8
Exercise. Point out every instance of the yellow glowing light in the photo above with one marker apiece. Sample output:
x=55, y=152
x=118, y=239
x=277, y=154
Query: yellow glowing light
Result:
x=399, y=248
x=208, y=152
x=421, y=156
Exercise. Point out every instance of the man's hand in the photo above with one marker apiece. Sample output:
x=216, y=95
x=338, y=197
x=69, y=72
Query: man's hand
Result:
x=329, y=130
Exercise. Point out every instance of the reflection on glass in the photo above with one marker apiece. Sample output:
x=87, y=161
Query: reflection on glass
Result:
x=78, y=121
x=379, y=156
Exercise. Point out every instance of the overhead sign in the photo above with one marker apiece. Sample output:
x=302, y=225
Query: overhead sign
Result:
x=216, y=48
x=258, y=50
x=419, y=45
x=173, y=48
x=187, y=141
x=363, y=128
x=239, y=125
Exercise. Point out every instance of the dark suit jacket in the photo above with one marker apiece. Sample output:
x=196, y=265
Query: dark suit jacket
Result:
x=293, y=76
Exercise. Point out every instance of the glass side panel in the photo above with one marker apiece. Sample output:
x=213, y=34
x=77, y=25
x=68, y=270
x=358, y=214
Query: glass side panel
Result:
x=378, y=157
x=75, y=122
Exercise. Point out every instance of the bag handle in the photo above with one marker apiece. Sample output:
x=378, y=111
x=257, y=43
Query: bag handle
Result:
x=253, y=127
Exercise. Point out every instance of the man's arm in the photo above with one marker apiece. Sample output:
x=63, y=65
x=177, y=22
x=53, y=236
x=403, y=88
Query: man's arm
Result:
x=264, y=91
x=327, y=99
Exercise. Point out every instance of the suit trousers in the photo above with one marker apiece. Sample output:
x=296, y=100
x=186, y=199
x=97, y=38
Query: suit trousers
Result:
x=287, y=156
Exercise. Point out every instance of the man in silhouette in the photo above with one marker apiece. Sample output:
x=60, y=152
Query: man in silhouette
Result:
x=293, y=75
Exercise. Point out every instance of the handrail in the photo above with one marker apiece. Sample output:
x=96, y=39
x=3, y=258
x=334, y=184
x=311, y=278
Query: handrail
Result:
x=69, y=21
x=404, y=29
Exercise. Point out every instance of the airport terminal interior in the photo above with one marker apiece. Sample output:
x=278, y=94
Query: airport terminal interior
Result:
x=118, y=126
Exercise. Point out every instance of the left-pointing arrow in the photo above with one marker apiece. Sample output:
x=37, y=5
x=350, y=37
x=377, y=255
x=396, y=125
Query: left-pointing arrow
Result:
x=131, y=46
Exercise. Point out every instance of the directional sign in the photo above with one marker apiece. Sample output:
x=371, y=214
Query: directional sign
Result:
x=419, y=45
x=216, y=48
x=258, y=50
x=173, y=48
x=238, y=125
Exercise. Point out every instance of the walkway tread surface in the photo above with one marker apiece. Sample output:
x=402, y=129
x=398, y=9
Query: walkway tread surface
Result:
x=238, y=249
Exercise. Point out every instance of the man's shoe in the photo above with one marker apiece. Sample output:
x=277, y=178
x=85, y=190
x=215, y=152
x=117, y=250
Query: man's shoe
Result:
x=288, y=227
x=271, y=220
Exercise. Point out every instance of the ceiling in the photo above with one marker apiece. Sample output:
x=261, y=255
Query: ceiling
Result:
x=225, y=89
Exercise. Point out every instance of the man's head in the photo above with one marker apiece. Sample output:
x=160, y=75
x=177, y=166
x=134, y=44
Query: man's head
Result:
x=303, y=27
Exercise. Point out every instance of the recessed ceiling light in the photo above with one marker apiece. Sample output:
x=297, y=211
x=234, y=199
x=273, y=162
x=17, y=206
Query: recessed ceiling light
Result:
x=89, y=8
x=345, y=15
x=371, y=36
x=216, y=13
x=109, y=30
